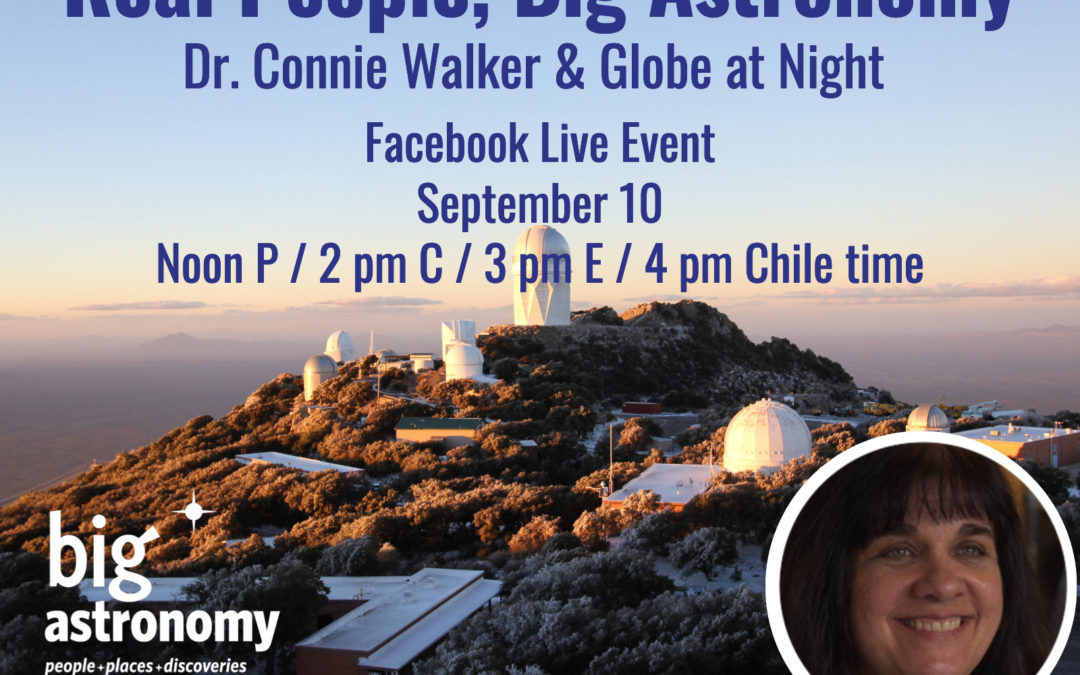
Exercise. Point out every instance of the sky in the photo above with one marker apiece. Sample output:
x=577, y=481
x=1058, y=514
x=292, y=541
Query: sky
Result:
x=966, y=157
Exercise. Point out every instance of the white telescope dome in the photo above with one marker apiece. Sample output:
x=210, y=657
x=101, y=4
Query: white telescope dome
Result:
x=463, y=360
x=339, y=346
x=764, y=436
x=545, y=301
x=928, y=418
x=318, y=369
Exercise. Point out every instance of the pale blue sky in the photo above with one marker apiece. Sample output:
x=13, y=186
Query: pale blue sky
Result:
x=967, y=157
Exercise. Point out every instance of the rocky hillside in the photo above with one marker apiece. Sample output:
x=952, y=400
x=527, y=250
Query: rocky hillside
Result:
x=686, y=352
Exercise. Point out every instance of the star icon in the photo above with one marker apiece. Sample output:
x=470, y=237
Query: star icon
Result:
x=193, y=511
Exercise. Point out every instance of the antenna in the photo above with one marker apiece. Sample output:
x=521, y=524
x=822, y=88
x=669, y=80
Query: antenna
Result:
x=611, y=457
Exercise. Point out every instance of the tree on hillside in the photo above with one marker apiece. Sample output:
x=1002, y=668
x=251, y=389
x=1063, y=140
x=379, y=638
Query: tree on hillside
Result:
x=653, y=532
x=703, y=550
x=350, y=558
x=562, y=618
x=886, y=427
x=1052, y=480
x=289, y=587
x=636, y=506
x=592, y=528
x=534, y=534
x=25, y=598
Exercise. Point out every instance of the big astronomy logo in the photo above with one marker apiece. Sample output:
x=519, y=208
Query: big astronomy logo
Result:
x=143, y=625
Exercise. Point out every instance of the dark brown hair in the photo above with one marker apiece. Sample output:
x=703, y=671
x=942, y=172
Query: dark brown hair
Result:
x=872, y=496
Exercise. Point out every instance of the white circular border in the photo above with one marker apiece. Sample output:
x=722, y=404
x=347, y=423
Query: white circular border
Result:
x=791, y=514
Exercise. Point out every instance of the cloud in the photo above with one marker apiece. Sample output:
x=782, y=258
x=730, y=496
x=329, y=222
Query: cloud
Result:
x=382, y=302
x=153, y=306
x=478, y=310
x=1057, y=288
x=4, y=316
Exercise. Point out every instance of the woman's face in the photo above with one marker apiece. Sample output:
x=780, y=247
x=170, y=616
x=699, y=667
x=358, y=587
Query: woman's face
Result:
x=927, y=598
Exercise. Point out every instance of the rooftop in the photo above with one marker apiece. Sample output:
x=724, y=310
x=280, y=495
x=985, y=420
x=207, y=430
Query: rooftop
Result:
x=1010, y=433
x=294, y=462
x=456, y=423
x=410, y=643
x=675, y=483
x=406, y=616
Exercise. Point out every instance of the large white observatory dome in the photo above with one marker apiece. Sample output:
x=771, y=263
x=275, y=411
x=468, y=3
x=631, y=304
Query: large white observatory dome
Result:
x=463, y=360
x=928, y=418
x=544, y=302
x=457, y=330
x=318, y=369
x=339, y=346
x=763, y=436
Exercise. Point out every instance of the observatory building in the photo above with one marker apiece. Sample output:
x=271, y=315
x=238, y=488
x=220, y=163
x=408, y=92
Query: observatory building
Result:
x=545, y=300
x=400, y=619
x=675, y=484
x=463, y=360
x=318, y=369
x=450, y=431
x=369, y=624
x=928, y=418
x=1049, y=447
x=458, y=330
x=304, y=464
x=422, y=361
x=339, y=346
x=764, y=436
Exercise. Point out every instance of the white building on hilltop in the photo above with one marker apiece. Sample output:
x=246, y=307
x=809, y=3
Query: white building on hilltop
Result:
x=339, y=346
x=764, y=436
x=397, y=624
x=928, y=418
x=546, y=299
x=318, y=369
x=463, y=360
x=458, y=330
x=304, y=464
x=674, y=484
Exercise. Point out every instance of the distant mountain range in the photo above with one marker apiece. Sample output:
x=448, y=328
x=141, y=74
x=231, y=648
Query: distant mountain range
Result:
x=1029, y=368
x=181, y=346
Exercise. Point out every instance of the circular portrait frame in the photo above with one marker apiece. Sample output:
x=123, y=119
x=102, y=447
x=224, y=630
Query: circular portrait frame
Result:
x=773, y=569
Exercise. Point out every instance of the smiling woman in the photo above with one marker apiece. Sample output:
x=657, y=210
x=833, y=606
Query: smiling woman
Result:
x=912, y=560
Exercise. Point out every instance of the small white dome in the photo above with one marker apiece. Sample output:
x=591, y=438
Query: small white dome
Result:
x=463, y=360
x=928, y=418
x=339, y=346
x=318, y=369
x=764, y=436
